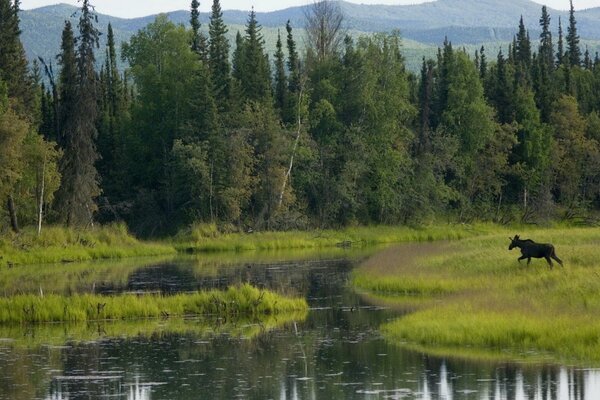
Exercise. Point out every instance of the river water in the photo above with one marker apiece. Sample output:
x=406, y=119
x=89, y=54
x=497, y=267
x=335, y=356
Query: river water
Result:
x=337, y=352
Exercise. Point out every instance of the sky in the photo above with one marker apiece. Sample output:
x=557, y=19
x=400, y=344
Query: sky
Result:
x=139, y=8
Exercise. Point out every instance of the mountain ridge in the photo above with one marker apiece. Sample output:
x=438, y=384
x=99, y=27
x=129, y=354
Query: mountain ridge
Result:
x=464, y=22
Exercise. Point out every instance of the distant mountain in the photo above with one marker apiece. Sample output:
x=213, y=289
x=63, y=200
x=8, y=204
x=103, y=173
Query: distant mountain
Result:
x=464, y=22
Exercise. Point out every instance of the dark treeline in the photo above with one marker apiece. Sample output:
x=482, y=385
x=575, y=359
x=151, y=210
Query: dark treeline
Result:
x=200, y=130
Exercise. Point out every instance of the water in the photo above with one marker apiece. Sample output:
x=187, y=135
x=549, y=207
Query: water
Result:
x=336, y=353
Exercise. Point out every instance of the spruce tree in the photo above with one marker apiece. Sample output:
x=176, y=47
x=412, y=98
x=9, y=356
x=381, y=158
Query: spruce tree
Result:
x=80, y=186
x=523, y=46
x=560, y=55
x=281, y=85
x=482, y=64
x=546, y=49
x=195, y=23
x=255, y=79
x=67, y=95
x=294, y=84
x=219, y=56
x=13, y=62
x=573, y=50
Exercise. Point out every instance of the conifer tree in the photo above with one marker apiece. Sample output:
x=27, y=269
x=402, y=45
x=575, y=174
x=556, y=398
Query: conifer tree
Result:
x=67, y=84
x=80, y=186
x=560, y=55
x=195, y=23
x=294, y=84
x=281, y=85
x=219, y=56
x=255, y=77
x=573, y=50
x=546, y=49
x=482, y=64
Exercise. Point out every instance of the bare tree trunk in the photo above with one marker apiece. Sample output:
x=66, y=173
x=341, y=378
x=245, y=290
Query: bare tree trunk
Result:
x=41, y=197
x=14, y=223
x=298, y=132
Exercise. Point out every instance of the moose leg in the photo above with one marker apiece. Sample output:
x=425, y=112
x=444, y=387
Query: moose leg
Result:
x=521, y=258
x=528, y=260
x=549, y=261
x=557, y=259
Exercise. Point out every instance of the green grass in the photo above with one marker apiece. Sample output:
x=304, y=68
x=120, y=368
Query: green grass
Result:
x=244, y=300
x=475, y=295
x=203, y=239
x=59, y=244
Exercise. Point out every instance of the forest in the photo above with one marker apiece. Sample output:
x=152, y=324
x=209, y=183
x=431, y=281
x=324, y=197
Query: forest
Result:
x=329, y=131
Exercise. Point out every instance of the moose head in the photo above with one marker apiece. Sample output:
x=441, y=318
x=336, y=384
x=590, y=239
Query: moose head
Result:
x=513, y=242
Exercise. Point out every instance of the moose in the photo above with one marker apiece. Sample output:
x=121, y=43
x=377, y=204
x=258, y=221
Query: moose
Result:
x=531, y=249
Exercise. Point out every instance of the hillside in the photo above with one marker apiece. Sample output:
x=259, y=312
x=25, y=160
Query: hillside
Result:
x=423, y=27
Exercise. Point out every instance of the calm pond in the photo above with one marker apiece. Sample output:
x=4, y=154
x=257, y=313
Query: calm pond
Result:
x=335, y=353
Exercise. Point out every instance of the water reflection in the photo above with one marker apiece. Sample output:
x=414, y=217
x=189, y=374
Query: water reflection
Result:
x=336, y=353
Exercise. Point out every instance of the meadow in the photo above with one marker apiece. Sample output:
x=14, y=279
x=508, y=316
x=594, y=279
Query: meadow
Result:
x=472, y=298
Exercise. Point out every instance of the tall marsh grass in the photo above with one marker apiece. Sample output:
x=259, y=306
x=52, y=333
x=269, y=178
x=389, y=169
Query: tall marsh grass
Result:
x=485, y=299
x=244, y=300
x=61, y=244
x=203, y=239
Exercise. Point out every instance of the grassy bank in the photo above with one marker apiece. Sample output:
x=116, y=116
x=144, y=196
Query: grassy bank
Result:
x=236, y=301
x=474, y=295
x=59, y=244
x=200, y=239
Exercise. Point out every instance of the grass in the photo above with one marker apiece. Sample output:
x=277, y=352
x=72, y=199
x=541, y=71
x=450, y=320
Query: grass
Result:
x=203, y=239
x=244, y=300
x=473, y=295
x=60, y=244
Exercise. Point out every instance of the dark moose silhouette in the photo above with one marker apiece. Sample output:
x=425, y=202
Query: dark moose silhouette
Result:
x=531, y=249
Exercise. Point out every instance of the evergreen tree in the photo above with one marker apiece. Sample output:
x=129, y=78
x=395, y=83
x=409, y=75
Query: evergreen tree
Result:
x=219, y=56
x=255, y=78
x=281, y=84
x=80, y=186
x=523, y=46
x=560, y=55
x=294, y=84
x=482, y=64
x=573, y=50
x=546, y=48
x=425, y=106
x=195, y=23
x=67, y=84
x=501, y=93
x=13, y=62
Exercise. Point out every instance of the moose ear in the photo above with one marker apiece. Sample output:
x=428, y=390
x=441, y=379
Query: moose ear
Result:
x=516, y=236
x=510, y=238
